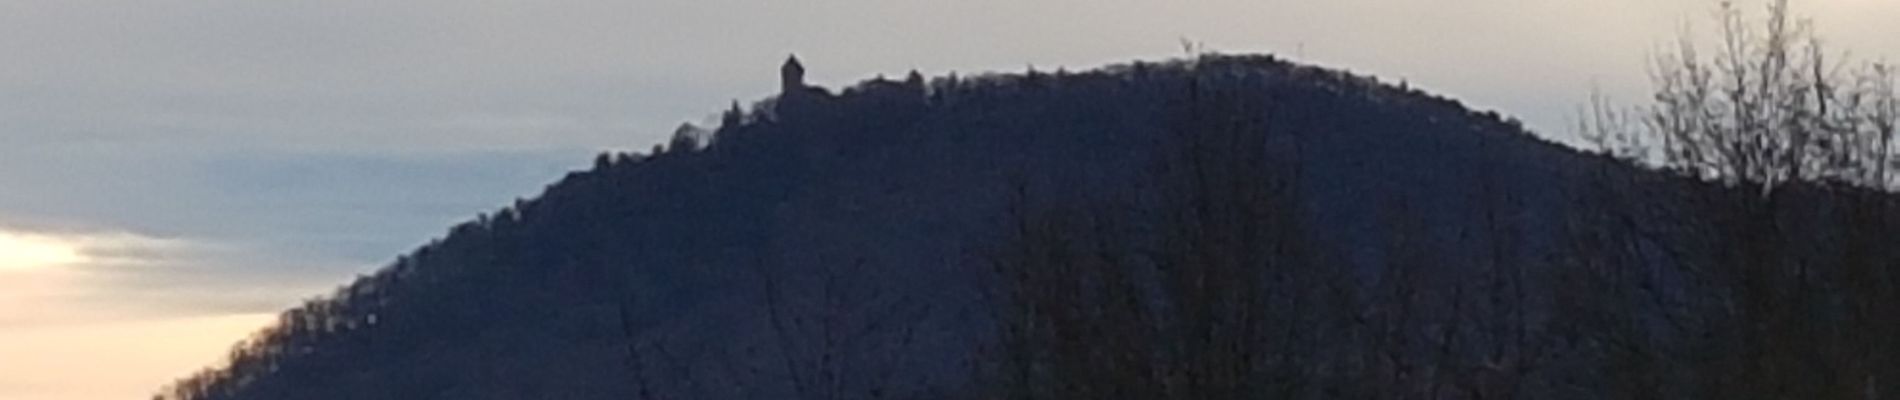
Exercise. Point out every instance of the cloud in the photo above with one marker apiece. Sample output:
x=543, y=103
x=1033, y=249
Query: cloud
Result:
x=437, y=75
x=256, y=231
x=65, y=277
x=20, y=252
x=28, y=251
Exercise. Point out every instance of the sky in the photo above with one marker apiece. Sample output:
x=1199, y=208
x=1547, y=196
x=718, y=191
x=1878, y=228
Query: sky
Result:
x=172, y=173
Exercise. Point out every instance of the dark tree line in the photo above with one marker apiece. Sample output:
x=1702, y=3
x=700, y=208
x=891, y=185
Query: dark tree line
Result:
x=1207, y=281
x=1755, y=260
x=1782, y=286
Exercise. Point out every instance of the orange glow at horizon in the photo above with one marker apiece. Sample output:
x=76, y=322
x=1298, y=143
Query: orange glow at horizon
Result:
x=121, y=359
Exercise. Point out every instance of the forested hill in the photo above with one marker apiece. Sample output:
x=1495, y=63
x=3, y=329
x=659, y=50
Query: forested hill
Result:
x=915, y=238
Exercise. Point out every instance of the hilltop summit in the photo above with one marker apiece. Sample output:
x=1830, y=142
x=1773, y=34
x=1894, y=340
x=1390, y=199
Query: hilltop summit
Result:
x=737, y=266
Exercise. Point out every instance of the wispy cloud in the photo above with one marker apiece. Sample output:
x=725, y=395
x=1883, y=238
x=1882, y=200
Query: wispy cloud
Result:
x=54, y=276
x=241, y=233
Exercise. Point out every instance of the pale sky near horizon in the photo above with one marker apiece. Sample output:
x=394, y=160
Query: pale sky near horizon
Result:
x=174, y=172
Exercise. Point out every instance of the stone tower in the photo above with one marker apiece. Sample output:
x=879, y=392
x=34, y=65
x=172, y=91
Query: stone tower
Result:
x=791, y=76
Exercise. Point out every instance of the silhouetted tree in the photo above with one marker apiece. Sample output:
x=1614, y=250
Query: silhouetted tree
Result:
x=1768, y=297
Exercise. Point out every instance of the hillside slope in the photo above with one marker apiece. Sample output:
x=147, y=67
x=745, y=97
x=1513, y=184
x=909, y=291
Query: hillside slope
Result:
x=860, y=214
